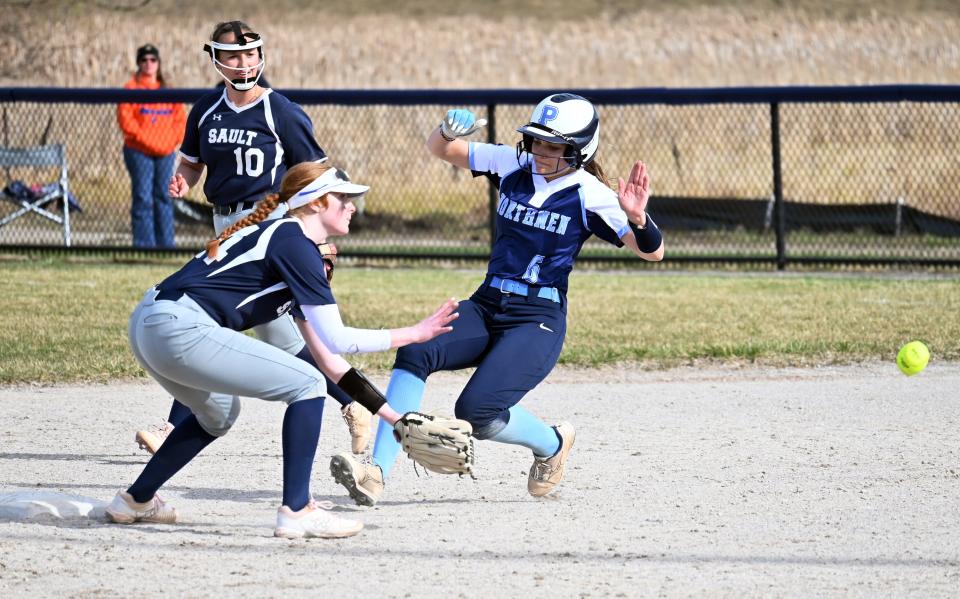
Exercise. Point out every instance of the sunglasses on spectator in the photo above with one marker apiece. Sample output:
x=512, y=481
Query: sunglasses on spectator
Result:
x=149, y=59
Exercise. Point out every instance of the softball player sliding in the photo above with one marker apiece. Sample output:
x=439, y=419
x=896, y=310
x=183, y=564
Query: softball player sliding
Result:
x=553, y=196
x=186, y=334
x=246, y=137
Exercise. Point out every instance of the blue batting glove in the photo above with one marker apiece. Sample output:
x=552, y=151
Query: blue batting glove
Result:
x=459, y=122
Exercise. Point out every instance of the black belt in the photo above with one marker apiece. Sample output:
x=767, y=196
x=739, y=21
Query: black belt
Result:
x=168, y=294
x=229, y=209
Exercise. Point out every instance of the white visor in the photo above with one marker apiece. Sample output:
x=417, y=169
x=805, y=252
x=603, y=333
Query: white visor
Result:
x=332, y=180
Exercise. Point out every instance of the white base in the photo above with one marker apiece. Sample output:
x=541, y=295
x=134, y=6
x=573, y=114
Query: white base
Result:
x=31, y=505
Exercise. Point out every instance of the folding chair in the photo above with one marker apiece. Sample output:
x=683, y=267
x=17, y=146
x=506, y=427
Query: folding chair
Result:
x=53, y=155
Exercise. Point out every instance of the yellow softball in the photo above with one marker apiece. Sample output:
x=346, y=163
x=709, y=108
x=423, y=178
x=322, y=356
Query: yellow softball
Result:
x=913, y=357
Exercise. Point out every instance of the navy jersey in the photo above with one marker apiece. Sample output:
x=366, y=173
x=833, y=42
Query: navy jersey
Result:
x=247, y=149
x=542, y=225
x=260, y=272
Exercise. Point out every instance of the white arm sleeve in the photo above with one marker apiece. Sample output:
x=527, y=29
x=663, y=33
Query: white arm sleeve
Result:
x=326, y=322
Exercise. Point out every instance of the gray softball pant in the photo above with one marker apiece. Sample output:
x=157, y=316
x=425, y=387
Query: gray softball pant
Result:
x=282, y=332
x=208, y=367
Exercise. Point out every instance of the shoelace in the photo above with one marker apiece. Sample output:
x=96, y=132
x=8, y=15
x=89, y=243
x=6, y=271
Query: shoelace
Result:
x=156, y=507
x=542, y=470
x=162, y=431
x=324, y=514
x=351, y=418
x=367, y=460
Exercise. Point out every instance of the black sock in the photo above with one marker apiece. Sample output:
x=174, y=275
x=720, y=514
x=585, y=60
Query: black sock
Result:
x=301, y=431
x=332, y=389
x=184, y=443
x=178, y=413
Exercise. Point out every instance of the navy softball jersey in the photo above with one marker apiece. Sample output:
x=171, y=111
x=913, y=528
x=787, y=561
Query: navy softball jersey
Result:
x=542, y=225
x=260, y=272
x=247, y=149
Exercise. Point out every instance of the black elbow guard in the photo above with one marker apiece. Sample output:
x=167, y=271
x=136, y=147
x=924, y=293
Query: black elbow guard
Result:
x=361, y=390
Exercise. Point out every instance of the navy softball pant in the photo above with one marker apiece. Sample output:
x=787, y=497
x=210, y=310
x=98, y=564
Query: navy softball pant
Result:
x=513, y=341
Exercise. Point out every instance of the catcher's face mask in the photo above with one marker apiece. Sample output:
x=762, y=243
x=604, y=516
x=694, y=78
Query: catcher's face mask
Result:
x=245, y=76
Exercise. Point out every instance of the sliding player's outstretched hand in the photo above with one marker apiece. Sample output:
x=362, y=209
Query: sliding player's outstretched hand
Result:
x=437, y=323
x=635, y=192
x=438, y=443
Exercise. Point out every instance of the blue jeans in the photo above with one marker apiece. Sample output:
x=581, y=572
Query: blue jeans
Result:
x=151, y=213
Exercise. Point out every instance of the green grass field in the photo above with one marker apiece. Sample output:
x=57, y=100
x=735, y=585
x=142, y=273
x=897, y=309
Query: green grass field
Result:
x=65, y=320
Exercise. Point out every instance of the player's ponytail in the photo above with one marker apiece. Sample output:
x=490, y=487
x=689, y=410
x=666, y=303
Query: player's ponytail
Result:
x=261, y=211
x=596, y=170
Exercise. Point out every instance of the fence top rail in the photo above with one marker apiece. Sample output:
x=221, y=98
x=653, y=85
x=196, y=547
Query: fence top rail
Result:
x=672, y=96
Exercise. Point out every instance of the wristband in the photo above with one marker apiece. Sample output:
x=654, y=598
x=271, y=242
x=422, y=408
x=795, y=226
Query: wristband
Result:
x=361, y=390
x=649, y=237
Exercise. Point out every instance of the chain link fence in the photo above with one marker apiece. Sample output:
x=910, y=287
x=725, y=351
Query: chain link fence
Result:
x=861, y=174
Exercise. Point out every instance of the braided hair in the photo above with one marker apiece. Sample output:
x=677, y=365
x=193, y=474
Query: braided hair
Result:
x=297, y=178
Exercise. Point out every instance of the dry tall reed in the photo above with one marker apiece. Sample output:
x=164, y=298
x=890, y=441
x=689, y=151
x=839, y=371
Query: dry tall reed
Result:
x=831, y=154
x=315, y=48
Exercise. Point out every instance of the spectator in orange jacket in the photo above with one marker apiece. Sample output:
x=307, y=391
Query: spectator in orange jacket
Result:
x=151, y=135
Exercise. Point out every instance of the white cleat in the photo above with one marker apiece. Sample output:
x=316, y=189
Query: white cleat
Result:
x=314, y=520
x=124, y=510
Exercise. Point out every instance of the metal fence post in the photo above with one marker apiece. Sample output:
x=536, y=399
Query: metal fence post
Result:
x=898, y=219
x=492, y=193
x=780, y=217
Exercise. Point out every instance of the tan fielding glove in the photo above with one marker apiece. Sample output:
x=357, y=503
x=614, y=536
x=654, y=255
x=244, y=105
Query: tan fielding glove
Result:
x=438, y=443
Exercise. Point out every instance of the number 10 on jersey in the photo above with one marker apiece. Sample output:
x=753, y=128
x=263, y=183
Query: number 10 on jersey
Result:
x=249, y=163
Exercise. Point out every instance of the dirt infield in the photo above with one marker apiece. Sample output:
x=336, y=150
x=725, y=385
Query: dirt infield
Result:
x=718, y=481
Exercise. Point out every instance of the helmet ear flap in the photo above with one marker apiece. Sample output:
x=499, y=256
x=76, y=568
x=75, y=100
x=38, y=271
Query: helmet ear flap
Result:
x=527, y=143
x=524, y=146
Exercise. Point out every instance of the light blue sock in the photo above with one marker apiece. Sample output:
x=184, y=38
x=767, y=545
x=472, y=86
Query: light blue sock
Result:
x=404, y=394
x=526, y=429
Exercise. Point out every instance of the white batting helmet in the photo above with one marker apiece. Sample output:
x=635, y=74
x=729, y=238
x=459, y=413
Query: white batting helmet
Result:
x=564, y=119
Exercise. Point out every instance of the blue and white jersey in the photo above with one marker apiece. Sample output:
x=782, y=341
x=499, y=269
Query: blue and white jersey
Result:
x=247, y=149
x=260, y=272
x=541, y=225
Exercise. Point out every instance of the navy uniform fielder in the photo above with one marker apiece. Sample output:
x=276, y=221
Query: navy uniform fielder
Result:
x=246, y=137
x=187, y=334
x=553, y=197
